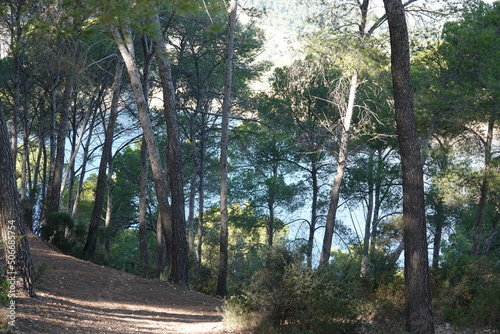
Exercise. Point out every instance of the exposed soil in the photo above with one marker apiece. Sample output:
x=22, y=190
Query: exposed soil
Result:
x=75, y=296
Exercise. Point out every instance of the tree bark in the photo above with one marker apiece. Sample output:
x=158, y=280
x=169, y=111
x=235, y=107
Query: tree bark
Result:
x=484, y=189
x=16, y=247
x=83, y=168
x=201, y=188
x=335, y=194
x=417, y=288
x=438, y=232
x=91, y=243
x=143, y=198
x=368, y=220
x=176, y=234
x=192, y=185
x=491, y=235
x=314, y=212
x=78, y=142
x=53, y=199
x=226, y=103
x=123, y=39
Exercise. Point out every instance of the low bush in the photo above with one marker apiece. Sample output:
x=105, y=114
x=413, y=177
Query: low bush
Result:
x=469, y=296
x=57, y=230
x=287, y=297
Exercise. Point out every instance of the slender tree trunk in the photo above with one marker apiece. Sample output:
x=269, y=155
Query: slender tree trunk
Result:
x=16, y=247
x=368, y=220
x=201, y=188
x=109, y=208
x=335, y=194
x=53, y=200
x=491, y=235
x=226, y=103
x=83, y=168
x=161, y=251
x=78, y=142
x=314, y=213
x=91, y=243
x=125, y=44
x=270, y=223
x=192, y=188
x=483, y=199
x=176, y=235
x=377, y=200
x=417, y=287
x=143, y=198
x=438, y=232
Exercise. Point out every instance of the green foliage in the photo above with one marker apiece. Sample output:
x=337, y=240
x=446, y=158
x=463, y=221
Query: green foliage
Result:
x=124, y=254
x=286, y=297
x=4, y=292
x=386, y=305
x=467, y=293
x=57, y=229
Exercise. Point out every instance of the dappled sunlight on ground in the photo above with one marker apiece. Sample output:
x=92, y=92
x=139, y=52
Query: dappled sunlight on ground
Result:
x=76, y=296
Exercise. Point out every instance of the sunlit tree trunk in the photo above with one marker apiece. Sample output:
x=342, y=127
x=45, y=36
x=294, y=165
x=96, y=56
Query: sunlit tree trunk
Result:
x=143, y=198
x=226, y=103
x=417, y=288
x=369, y=217
x=109, y=208
x=124, y=41
x=83, y=168
x=335, y=193
x=78, y=141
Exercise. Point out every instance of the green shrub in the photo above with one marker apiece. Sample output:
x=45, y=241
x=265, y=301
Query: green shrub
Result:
x=470, y=294
x=57, y=230
x=287, y=297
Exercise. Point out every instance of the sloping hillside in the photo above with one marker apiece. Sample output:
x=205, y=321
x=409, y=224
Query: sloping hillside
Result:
x=75, y=296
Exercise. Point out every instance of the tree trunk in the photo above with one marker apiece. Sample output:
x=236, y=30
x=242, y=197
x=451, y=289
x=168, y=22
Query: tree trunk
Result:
x=176, y=234
x=368, y=219
x=125, y=44
x=226, y=103
x=417, y=288
x=83, y=168
x=440, y=217
x=483, y=199
x=314, y=213
x=78, y=142
x=491, y=235
x=143, y=198
x=109, y=208
x=335, y=194
x=16, y=247
x=201, y=188
x=161, y=250
x=91, y=243
x=53, y=199
x=192, y=187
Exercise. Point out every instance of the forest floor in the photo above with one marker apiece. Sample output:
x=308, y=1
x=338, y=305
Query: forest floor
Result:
x=75, y=296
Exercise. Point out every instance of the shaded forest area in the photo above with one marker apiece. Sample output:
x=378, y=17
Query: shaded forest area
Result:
x=343, y=198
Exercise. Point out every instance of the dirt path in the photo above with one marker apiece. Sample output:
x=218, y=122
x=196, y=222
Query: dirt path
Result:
x=76, y=296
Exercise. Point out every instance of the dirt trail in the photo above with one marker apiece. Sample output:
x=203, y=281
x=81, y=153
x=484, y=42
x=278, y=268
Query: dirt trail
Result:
x=76, y=296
